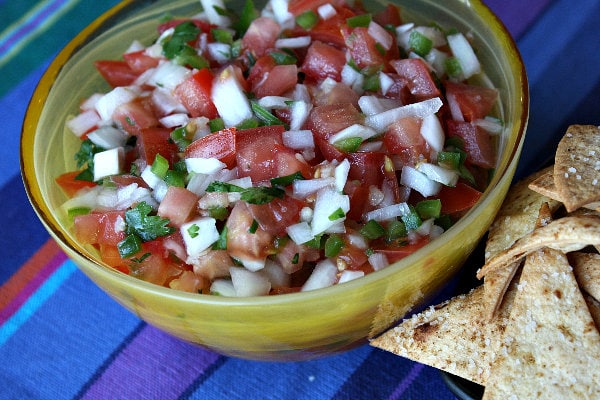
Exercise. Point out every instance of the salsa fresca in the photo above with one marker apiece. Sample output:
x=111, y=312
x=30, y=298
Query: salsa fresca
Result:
x=288, y=149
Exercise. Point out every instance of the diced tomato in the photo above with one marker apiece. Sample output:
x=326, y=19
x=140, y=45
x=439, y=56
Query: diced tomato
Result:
x=279, y=80
x=395, y=253
x=139, y=61
x=70, y=185
x=359, y=199
x=330, y=30
x=115, y=72
x=367, y=167
x=135, y=116
x=459, y=198
x=254, y=151
x=399, y=89
x=390, y=15
x=260, y=36
x=261, y=67
x=243, y=244
x=292, y=256
x=178, y=205
x=220, y=145
x=475, y=102
x=195, y=94
x=287, y=162
x=155, y=268
x=213, y=264
x=352, y=256
x=100, y=227
x=275, y=216
x=188, y=281
x=111, y=256
x=418, y=77
x=126, y=180
x=152, y=141
x=323, y=61
x=363, y=48
x=327, y=120
x=297, y=7
x=478, y=142
x=339, y=93
x=403, y=138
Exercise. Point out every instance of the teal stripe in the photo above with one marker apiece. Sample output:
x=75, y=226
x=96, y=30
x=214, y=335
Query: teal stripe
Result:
x=37, y=299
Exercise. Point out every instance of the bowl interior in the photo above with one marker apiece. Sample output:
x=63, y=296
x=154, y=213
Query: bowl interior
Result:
x=263, y=327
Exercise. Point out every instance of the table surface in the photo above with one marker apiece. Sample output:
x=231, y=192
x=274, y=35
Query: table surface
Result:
x=61, y=337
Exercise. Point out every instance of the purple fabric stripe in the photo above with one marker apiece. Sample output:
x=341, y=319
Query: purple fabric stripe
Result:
x=517, y=15
x=31, y=287
x=154, y=365
x=30, y=25
x=407, y=381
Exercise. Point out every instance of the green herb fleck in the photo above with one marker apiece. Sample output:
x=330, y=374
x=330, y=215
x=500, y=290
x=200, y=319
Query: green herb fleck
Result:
x=148, y=227
x=337, y=214
x=193, y=230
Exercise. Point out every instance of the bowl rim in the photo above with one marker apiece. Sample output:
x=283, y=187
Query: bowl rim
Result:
x=34, y=194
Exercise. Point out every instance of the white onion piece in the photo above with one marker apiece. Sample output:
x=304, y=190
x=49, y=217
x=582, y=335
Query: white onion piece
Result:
x=248, y=283
x=298, y=140
x=403, y=35
x=123, y=198
x=436, y=36
x=388, y=212
x=214, y=17
x=90, y=102
x=385, y=82
x=108, y=162
x=108, y=137
x=220, y=52
x=83, y=122
x=165, y=102
x=350, y=275
x=281, y=14
x=327, y=203
x=274, y=102
x=352, y=78
x=436, y=60
x=303, y=188
x=462, y=50
x=223, y=287
x=324, y=275
x=455, y=110
x=174, y=120
x=160, y=191
x=371, y=105
x=380, y=35
x=490, y=124
x=205, y=236
x=244, y=182
x=355, y=130
x=439, y=174
x=418, y=181
x=230, y=99
x=299, y=114
x=341, y=174
x=381, y=121
x=301, y=93
x=432, y=132
x=378, y=261
x=204, y=165
x=326, y=11
x=276, y=274
x=168, y=75
x=300, y=232
x=108, y=103
x=425, y=228
x=293, y=42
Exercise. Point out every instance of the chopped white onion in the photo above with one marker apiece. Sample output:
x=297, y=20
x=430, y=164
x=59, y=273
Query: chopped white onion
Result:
x=355, y=130
x=350, y=275
x=380, y=35
x=274, y=102
x=403, y=35
x=324, y=275
x=276, y=274
x=220, y=52
x=326, y=11
x=248, y=283
x=230, y=99
x=371, y=105
x=83, y=122
x=455, y=110
x=439, y=174
x=108, y=162
x=432, y=132
x=300, y=111
x=436, y=36
x=418, y=181
x=165, y=102
x=293, y=42
x=174, y=120
x=281, y=13
x=300, y=232
x=168, y=75
x=298, y=140
x=462, y=50
x=198, y=235
x=491, y=125
x=341, y=174
x=108, y=103
x=385, y=82
x=378, y=261
x=108, y=137
x=381, y=121
x=352, y=78
x=327, y=203
x=214, y=17
x=303, y=188
x=206, y=166
x=388, y=212
x=223, y=287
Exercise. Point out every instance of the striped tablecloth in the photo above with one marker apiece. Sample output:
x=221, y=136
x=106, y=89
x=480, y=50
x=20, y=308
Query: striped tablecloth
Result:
x=61, y=337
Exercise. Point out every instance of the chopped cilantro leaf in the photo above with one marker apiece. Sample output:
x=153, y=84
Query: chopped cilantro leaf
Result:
x=261, y=195
x=287, y=180
x=147, y=227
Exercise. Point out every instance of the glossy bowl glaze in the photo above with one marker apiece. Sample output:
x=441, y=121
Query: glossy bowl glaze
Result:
x=295, y=326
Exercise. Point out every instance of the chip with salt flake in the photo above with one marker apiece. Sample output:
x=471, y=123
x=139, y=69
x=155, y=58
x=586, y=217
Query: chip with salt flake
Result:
x=577, y=166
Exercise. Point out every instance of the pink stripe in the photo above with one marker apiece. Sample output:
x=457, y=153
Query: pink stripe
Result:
x=31, y=286
x=154, y=365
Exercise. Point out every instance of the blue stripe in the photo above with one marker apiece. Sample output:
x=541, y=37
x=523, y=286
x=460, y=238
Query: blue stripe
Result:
x=36, y=300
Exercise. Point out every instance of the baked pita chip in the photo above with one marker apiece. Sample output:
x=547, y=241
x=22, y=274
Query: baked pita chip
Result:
x=551, y=346
x=567, y=234
x=453, y=336
x=516, y=217
x=586, y=267
x=577, y=166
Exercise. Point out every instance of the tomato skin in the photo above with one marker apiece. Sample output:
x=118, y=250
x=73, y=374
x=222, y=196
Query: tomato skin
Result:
x=477, y=142
x=241, y=243
x=220, y=145
x=139, y=61
x=115, y=72
x=330, y=30
x=276, y=215
x=367, y=167
x=390, y=15
x=420, y=81
x=279, y=80
x=362, y=47
x=475, y=102
x=286, y=162
x=152, y=141
x=458, y=199
x=178, y=205
x=255, y=151
x=323, y=61
x=403, y=138
x=327, y=120
x=100, y=227
x=260, y=36
x=70, y=185
x=195, y=94
x=135, y=116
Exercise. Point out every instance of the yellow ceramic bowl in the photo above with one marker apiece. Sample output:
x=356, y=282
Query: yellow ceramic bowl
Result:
x=285, y=327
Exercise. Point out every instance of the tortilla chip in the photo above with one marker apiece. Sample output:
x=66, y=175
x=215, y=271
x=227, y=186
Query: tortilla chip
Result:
x=452, y=336
x=586, y=267
x=577, y=166
x=551, y=346
x=544, y=185
x=567, y=234
x=516, y=218
x=594, y=307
